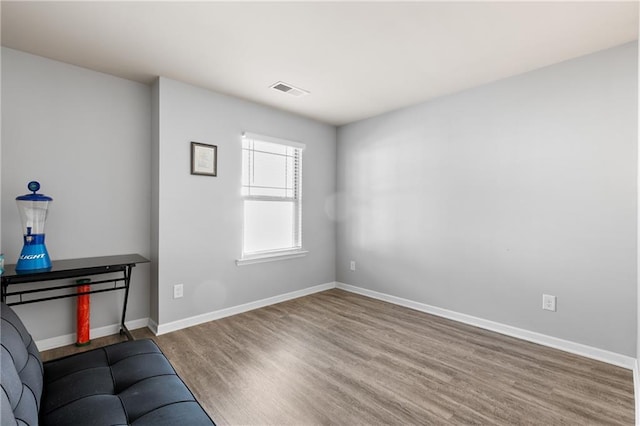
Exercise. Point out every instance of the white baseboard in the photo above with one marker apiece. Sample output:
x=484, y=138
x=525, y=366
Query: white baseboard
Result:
x=108, y=330
x=153, y=326
x=542, y=339
x=234, y=310
x=553, y=342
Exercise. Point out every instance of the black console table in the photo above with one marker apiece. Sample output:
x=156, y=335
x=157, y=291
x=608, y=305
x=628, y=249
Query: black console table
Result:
x=72, y=268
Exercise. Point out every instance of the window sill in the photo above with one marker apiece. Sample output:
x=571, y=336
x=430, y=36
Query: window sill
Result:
x=271, y=257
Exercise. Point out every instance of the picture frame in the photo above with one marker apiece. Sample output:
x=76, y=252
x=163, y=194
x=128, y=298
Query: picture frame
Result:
x=204, y=159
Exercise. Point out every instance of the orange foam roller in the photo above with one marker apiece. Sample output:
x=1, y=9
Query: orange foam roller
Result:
x=83, y=313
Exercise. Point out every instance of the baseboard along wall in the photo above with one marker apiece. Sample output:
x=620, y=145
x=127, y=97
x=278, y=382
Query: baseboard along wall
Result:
x=531, y=336
x=564, y=345
x=234, y=310
x=108, y=330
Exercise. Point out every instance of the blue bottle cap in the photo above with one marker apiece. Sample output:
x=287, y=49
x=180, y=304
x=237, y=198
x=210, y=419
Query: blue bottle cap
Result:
x=34, y=186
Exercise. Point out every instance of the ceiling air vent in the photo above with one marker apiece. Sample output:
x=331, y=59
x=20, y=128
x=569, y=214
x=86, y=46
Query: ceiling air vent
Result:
x=289, y=89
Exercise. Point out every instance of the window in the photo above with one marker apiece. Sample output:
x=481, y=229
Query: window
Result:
x=271, y=190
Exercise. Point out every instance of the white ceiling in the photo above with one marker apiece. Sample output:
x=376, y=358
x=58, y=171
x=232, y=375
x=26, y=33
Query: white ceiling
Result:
x=358, y=59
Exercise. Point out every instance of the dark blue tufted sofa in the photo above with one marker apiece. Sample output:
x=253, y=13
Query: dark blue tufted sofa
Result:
x=129, y=383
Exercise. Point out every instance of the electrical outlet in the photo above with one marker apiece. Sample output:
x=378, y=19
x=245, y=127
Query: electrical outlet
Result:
x=178, y=291
x=548, y=302
x=352, y=265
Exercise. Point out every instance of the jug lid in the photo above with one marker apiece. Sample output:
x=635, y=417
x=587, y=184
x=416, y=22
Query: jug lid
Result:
x=34, y=186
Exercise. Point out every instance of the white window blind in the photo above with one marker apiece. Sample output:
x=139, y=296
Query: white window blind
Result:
x=271, y=189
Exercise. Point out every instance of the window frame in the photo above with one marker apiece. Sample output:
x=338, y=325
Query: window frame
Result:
x=274, y=254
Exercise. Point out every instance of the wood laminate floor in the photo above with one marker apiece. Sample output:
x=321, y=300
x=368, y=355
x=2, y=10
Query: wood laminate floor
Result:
x=340, y=358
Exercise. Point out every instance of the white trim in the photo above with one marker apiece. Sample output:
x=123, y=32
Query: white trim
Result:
x=271, y=139
x=95, y=333
x=153, y=326
x=234, y=310
x=553, y=342
x=636, y=374
x=619, y=360
x=271, y=257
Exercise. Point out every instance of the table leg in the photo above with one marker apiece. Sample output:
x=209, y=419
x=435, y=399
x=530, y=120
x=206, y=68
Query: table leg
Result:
x=127, y=281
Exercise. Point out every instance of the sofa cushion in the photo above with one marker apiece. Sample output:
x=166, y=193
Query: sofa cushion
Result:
x=129, y=383
x=21, y=372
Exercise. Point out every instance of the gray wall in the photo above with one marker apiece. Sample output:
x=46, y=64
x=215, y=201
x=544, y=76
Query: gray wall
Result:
x=115, y=152
x=200, y=218
x=86, y=137
x=477, y=202
x=482, y=201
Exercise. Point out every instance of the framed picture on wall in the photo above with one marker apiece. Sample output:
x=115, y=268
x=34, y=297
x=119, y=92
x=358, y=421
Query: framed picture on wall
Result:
x=204, y=159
